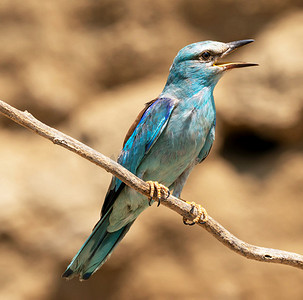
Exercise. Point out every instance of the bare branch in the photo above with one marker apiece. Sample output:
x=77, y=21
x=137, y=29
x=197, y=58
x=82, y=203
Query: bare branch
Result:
x=184, y=209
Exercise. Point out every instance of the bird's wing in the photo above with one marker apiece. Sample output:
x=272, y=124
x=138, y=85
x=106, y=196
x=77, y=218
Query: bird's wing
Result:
x=207, y=145
x=141, y=136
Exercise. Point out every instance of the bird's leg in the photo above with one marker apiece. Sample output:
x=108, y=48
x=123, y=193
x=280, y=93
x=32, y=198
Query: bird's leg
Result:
x=201, y=212
x=156, y=191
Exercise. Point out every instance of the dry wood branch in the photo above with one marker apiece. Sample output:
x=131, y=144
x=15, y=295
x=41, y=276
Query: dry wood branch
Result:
x=218, y=231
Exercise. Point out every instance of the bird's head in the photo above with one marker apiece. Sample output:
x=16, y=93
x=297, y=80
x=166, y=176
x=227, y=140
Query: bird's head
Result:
x=198, y=65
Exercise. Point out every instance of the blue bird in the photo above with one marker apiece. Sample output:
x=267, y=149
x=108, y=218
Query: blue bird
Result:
x=171, y=135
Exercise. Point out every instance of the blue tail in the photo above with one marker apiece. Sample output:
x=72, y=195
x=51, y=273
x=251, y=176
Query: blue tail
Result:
x=95, y=250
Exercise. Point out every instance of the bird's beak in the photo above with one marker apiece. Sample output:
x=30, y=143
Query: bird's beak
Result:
x=232, y=46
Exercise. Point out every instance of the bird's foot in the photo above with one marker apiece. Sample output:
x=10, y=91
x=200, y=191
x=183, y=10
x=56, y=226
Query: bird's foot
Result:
x=156, y=191
x=198, y=219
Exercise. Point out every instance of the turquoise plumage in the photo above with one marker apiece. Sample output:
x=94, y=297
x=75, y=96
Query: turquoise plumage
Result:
x=170, y=136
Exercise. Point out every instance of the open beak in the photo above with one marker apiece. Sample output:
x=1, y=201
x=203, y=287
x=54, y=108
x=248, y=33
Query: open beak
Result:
x=232, y=46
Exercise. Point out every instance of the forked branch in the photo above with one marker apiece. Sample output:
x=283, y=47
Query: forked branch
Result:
x=184, y=209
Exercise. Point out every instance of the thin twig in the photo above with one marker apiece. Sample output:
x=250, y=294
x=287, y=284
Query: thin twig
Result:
x=184, y=209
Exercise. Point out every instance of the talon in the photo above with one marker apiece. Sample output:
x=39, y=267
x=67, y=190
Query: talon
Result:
x=156, y=191
x=185, y=222
x=201, y=212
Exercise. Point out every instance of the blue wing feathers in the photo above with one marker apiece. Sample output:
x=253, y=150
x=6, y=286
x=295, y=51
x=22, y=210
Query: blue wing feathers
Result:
x=112, y=194
x=146, y=133
x=156, y=134
x=148, y=129
x=207, y=145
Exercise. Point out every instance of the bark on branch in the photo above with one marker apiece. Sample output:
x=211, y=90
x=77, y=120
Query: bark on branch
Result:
x=212, y=226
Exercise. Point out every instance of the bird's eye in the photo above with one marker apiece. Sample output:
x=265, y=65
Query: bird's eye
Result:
x=205, y=55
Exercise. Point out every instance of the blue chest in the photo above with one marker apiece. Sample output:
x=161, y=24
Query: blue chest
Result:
x=181, y=141
x=188, y=128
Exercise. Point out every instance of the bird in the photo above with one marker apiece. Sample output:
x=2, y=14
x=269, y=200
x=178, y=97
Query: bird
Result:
x=171, y=135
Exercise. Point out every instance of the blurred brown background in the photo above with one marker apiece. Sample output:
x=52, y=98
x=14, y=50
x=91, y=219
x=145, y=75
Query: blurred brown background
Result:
x=87, y=67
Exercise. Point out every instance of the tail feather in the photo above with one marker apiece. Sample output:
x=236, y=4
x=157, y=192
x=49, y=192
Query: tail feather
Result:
x=96, y=250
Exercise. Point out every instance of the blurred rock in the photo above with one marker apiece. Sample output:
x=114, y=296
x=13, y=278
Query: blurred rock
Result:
x=59, y=54
x=268, y=100
x=229, y=20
